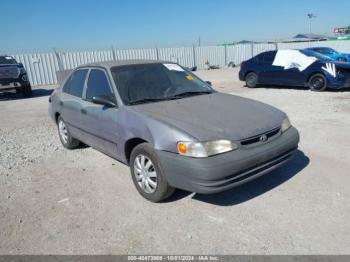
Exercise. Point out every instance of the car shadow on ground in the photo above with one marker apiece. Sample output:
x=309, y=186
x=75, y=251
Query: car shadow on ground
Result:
x=12, y=95
x=252, y=189
x=301, y=88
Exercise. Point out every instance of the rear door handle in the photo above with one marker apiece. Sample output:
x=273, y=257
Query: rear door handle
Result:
x=83, y=111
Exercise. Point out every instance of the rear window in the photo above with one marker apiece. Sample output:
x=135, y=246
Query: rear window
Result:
x=75, y=84
x=7, y=60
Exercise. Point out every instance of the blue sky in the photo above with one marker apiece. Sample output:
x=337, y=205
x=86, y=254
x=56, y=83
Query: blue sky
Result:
x=28, y=25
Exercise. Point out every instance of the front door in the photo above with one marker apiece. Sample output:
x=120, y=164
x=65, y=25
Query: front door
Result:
x=100, y=122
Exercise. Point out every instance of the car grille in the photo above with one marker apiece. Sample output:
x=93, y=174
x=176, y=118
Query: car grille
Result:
x=258, y=138
x=9, y=72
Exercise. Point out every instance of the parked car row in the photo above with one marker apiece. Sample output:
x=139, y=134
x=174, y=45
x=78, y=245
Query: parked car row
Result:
x=316, y=68
x=175, y=131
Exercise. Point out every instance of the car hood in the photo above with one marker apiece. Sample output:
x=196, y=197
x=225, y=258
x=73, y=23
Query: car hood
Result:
x=215, y=116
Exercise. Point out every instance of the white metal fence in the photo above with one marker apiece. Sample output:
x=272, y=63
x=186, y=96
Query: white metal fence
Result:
x=42, y=67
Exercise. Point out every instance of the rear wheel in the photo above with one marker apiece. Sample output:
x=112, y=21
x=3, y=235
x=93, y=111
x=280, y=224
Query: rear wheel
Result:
x=147, y=174
x=66, y=139
x=27, y=91
x=251, y=80
x=318, y=83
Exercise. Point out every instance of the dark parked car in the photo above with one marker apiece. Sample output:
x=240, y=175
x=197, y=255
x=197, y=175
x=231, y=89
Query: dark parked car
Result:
x=173, y=129
x=13, y=76
x=331, y=53
x=303, y=68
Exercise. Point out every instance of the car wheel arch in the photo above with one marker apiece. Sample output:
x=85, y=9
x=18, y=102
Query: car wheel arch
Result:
x=130, y=144
x=314, y=73
x=248, y=72
x=57, y=114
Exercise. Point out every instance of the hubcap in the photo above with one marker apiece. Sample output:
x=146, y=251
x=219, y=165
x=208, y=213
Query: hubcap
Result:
x=63, y=131
x=317, y=83
x=251, y=79
x=145, y=173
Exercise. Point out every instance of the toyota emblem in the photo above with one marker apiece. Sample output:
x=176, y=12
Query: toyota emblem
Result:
x=263, y=138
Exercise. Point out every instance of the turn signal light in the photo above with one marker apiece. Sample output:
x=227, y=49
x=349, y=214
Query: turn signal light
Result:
x=182, y=148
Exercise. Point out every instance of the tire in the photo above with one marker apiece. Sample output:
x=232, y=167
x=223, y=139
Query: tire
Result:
x=147, y=174
x=317, y=82
x=27, y=91
x=66, y=139
x=251, y=80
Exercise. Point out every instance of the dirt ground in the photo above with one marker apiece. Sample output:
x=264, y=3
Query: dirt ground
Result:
x=55, y=201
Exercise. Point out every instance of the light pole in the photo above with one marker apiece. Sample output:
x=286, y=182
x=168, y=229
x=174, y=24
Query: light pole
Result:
x=310, y=16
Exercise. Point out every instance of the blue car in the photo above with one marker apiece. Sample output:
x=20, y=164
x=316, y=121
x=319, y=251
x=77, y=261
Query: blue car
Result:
x=303, y=68
x=331, y=53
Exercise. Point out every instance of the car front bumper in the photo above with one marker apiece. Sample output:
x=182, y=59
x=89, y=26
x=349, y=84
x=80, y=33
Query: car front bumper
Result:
x=221, y=172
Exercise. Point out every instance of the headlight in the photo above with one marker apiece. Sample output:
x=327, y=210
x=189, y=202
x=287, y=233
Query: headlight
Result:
x=205, y=149
x=22, y=70
x=285, y=124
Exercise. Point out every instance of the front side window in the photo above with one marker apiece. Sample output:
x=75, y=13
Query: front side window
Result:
x=98, y=85
x=75, y=84
x=144, y=83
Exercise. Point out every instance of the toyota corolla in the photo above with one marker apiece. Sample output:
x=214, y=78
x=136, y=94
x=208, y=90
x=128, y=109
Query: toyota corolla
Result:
x=173, y=129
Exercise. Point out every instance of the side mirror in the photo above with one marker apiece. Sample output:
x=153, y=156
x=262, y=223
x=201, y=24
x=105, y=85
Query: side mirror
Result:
x=208, y=82
x=20, y=64
x=104, y=100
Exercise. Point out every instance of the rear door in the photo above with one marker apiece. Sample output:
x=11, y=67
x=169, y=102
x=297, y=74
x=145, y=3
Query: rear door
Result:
x=270, y=74
x=100, y=122
x=71, y=101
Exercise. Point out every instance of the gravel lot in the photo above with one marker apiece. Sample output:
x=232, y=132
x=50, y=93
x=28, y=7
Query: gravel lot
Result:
x=55, y=201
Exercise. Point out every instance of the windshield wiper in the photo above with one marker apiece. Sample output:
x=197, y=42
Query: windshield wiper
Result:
x=191, y=93
x=147, y=100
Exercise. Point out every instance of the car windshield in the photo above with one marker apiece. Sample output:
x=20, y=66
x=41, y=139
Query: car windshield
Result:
x=144, y=83
x=314, y=54
x=7, y=60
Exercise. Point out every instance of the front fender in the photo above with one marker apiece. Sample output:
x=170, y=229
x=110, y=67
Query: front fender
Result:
x=161, y=135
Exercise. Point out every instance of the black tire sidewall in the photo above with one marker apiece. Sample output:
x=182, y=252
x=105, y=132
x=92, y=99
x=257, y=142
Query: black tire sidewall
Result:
x=312, y=78
x=27, y=91
x=163, y=190
x=255, y=82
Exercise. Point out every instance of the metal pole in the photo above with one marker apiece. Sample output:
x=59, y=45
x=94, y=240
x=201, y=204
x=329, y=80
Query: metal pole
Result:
x=59, y=61
x=194, y=55
x=157, y=53
x=225, y=54
x=114, y=54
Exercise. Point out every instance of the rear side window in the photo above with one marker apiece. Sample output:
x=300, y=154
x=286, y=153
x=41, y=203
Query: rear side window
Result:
x=98, y=85
x=260, y=58
x=75, y=84
x=269, y=57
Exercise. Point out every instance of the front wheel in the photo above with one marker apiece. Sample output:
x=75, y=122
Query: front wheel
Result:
x=317, y=82
x=27, y=91
x=147, y=174
x=251, y=80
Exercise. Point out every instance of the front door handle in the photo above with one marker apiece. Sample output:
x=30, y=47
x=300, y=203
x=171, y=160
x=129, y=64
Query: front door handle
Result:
x=83, y=111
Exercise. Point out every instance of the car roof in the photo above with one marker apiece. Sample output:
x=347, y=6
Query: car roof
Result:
x=112, y=63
